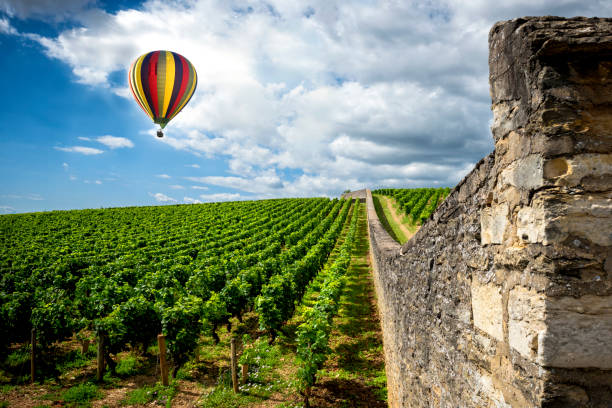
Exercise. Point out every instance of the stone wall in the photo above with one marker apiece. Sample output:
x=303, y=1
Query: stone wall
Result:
x=358, y=194
x=504, y=297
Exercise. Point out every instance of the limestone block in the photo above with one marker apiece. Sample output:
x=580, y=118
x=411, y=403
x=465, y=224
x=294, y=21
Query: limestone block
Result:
x=493, y=222
x=578, y=333
x=510, y=196
x=531, y=225
x=526, y=312
x=487, y=309
x=526, y=174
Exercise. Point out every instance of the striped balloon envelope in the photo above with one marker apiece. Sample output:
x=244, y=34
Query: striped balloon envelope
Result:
x=162, y=83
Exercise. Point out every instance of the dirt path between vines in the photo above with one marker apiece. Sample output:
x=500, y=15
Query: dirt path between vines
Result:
x=396, y=218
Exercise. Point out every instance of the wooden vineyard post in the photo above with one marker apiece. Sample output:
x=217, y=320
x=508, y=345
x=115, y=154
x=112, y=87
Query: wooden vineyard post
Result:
x=32, y=354
x=161, y=342
x=84, y=346
x=234, y=365
x=245, y=373
x=100, y=357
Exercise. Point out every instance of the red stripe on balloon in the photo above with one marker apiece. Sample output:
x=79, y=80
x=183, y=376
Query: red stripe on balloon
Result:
x=185, y=80
x=152, y=67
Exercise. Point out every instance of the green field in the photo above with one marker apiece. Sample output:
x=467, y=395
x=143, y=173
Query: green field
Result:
x=198, y=274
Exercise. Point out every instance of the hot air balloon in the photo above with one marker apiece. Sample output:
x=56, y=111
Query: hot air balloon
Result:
x=162, y=83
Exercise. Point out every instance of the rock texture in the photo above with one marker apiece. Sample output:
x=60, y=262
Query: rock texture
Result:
x=358, y=194
x=504, y=297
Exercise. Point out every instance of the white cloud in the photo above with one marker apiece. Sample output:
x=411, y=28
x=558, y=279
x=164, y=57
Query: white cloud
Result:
x=6, y=27
x=163, y=176
x=114, y=142
x=264, y=182
x=209, y=198
x=313, y=98
x=81, y=149
x=98, y=182
x=176, y=187
x=162, y=198
x=199, y=187
x=65, y=166
x=86, y=139
x=72, y=178
x=124, y=92
x=190, y=200
x=195, y=166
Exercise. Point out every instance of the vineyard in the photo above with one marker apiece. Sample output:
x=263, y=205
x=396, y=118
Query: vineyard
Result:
x=418, y=203
x=121, y=277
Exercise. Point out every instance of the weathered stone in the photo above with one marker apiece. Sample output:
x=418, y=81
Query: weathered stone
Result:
x=493, y=222
x=487, y=309
x=589, y=217
x=526, y=312
x=526, y=174
x=578, y=333
x=531, y=224
x=571, y=171
x=555, y=168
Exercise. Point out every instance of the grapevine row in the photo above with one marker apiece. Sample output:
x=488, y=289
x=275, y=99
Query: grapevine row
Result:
x=418, y=203
x=313, y=334
x=140, y=282
x=276, y=303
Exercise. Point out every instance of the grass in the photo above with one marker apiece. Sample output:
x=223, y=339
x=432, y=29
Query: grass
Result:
x=356, y=366
x=59, y=362
x=388, y=221
x=79, y=396
x=148, y=393
x=74, y=359
x=263, y=378
x=224, y=397
x=18, y=357
x=6, y=388
x=128, y=366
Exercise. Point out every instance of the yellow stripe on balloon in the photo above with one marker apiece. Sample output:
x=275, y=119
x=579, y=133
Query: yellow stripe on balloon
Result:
x=133, y=85
x=140, y=92
x=193, y=85
x=170, y=72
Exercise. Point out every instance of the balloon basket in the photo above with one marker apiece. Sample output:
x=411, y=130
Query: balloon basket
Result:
x=160, y=133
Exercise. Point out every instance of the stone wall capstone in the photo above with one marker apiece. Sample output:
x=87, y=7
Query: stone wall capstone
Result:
x=504, y=297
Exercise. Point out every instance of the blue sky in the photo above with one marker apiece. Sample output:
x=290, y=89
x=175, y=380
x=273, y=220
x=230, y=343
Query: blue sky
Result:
x=294, y=98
